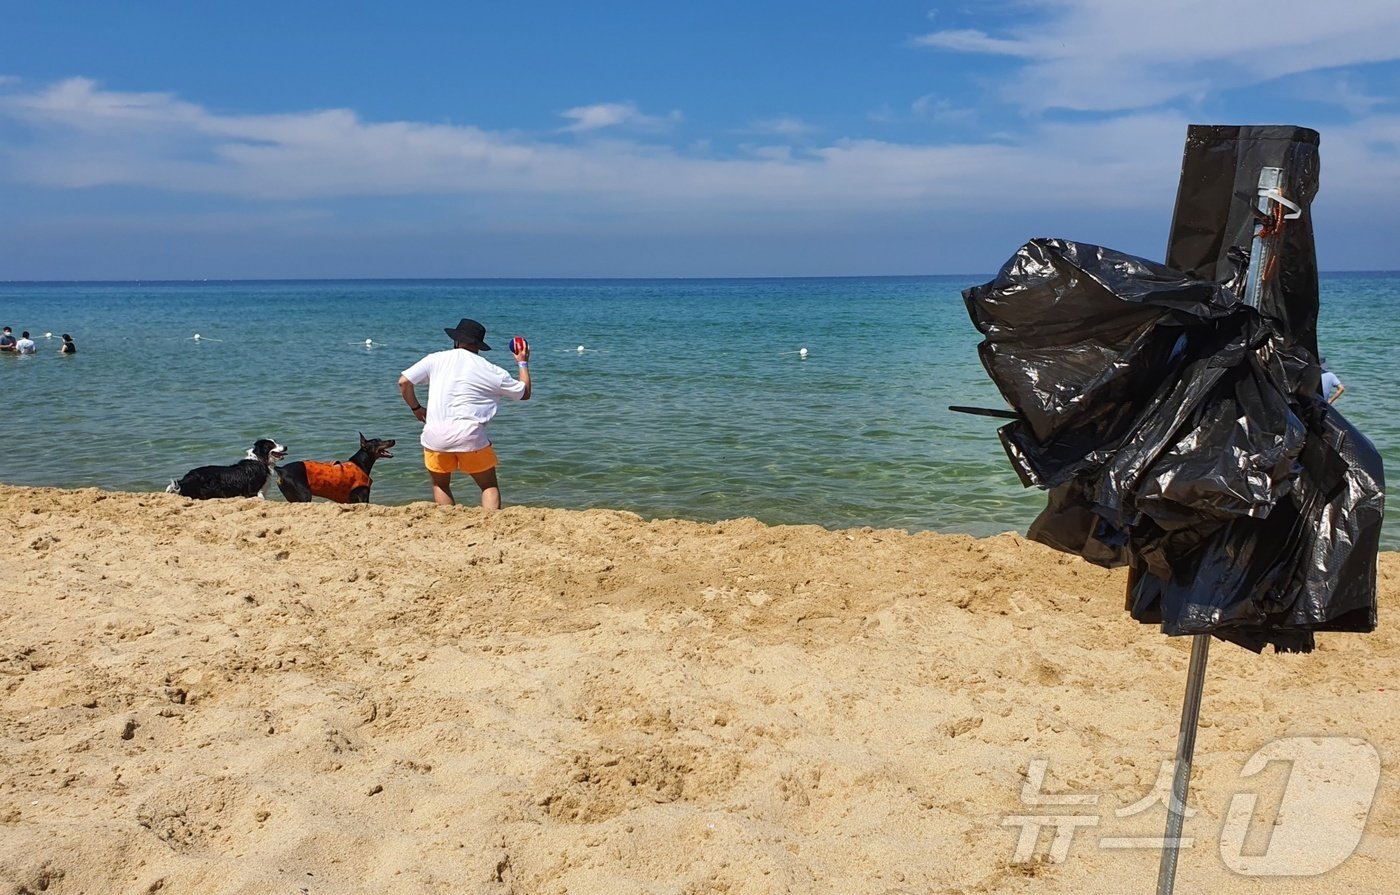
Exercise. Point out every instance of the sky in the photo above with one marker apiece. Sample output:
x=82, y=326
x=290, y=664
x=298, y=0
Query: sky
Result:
x=176, y=140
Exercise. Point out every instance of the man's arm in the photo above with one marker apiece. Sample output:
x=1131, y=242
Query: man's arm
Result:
x=1336, y=392
x=410, y=397
x=523, y=360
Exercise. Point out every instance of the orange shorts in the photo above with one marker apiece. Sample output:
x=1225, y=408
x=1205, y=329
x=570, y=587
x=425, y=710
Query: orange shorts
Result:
x=470, y=462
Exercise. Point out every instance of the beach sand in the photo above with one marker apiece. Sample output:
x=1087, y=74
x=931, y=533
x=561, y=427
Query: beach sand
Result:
x=258, y=697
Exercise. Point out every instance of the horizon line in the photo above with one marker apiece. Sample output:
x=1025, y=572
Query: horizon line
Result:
x=229, y=280
x=186, y=280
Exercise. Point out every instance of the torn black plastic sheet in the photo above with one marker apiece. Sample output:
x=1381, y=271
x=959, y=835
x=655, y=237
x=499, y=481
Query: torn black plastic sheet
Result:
x=1181, y=433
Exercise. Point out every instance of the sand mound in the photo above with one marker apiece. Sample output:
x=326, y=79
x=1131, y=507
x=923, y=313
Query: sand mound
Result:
x=257, y=697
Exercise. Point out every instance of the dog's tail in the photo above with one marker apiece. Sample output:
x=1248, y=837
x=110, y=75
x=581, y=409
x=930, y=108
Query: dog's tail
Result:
x=173, y=487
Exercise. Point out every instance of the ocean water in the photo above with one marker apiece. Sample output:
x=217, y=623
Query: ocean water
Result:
x=690, y=398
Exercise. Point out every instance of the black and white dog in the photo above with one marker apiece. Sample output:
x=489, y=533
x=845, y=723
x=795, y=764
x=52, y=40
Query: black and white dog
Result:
x=347, y=482
x=246, y=478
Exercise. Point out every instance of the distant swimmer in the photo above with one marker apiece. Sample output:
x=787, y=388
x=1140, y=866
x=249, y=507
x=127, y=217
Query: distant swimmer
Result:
x=1332, y=387
x=67, y=347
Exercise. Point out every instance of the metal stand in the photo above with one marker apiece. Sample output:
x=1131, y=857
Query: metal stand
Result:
x=1260, y=255
x=1185, y=753
x=1260, y=252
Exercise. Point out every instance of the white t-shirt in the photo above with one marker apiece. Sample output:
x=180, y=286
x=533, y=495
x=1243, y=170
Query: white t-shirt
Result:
x=464, y=390
x=25, y=346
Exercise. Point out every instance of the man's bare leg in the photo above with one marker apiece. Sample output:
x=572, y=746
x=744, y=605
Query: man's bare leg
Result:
x=442, y=488
x=490, y=489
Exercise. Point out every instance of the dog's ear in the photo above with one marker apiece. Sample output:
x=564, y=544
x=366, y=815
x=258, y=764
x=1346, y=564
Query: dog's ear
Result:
x=363, y=442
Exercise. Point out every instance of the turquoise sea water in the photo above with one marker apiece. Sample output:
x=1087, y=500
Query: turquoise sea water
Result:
x=689, y=400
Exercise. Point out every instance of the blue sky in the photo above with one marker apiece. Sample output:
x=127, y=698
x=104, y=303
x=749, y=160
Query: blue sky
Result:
x=168, y=140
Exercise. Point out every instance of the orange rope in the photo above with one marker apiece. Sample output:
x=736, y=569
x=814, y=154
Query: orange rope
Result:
x=1271, y=229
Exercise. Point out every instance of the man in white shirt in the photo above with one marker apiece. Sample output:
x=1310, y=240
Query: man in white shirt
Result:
x=25, y=345
x=464, y=391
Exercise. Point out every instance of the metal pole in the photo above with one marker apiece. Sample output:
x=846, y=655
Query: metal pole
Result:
x=1185, y=752
x=1261, y=252
x=1270, y=181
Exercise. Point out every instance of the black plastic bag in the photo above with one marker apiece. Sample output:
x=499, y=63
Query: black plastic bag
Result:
x=1213, y=223
x=1182, y=433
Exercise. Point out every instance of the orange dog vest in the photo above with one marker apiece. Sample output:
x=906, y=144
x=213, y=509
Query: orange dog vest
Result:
x=334, y=481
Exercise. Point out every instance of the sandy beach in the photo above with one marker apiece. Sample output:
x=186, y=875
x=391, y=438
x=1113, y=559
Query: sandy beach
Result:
x=257, y=697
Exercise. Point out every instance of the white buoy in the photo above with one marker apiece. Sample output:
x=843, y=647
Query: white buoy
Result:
x=369, y=343
x=802, y=352
x=48, y=335
x=580, y=349
x=196, y=337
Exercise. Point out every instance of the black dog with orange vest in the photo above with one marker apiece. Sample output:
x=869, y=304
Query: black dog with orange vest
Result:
x=346, y=482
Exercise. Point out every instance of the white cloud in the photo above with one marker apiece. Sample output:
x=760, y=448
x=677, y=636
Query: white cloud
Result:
x=883, y=114
x=75, y=134
x=1133, y=54
x=84, y=136
x=1341, y=90
x=969, y=41
x=590, y=118
x=601, y=115
x=771, y=153
x=782, y=126
x=929, y=107
x=935, y=109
